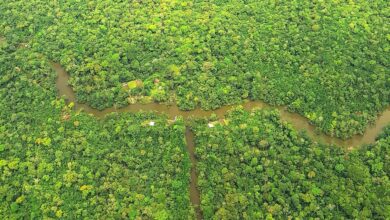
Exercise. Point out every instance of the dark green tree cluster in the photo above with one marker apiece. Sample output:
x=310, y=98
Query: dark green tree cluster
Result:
x=252, y=165
x=58, y=163
x=20, y=21
x=327, y=60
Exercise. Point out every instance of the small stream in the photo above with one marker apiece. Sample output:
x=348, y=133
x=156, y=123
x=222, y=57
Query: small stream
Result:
x=299, y=122
x=194, y=191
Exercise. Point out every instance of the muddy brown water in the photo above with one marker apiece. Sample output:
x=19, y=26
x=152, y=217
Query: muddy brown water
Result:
x=299, y=122
x=194, y=191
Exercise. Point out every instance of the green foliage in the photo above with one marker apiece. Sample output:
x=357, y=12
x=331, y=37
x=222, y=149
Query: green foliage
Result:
x=255, y=166
x=326, y=60
x=57, y=163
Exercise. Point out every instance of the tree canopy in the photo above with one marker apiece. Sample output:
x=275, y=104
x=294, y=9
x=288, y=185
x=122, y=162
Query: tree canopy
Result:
x=255, y=166
x=324, y=59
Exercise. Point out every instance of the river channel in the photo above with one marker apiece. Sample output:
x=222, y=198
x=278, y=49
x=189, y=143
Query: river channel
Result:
x=299, y=122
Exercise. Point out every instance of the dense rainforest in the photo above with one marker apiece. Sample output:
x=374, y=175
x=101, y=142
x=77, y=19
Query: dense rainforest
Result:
x=252, y=165
x=326, y=60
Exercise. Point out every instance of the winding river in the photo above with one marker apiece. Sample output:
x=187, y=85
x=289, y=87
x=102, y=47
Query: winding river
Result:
x=299, y=122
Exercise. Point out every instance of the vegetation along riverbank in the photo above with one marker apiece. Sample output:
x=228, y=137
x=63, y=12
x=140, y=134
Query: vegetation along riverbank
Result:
x=180, y=109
